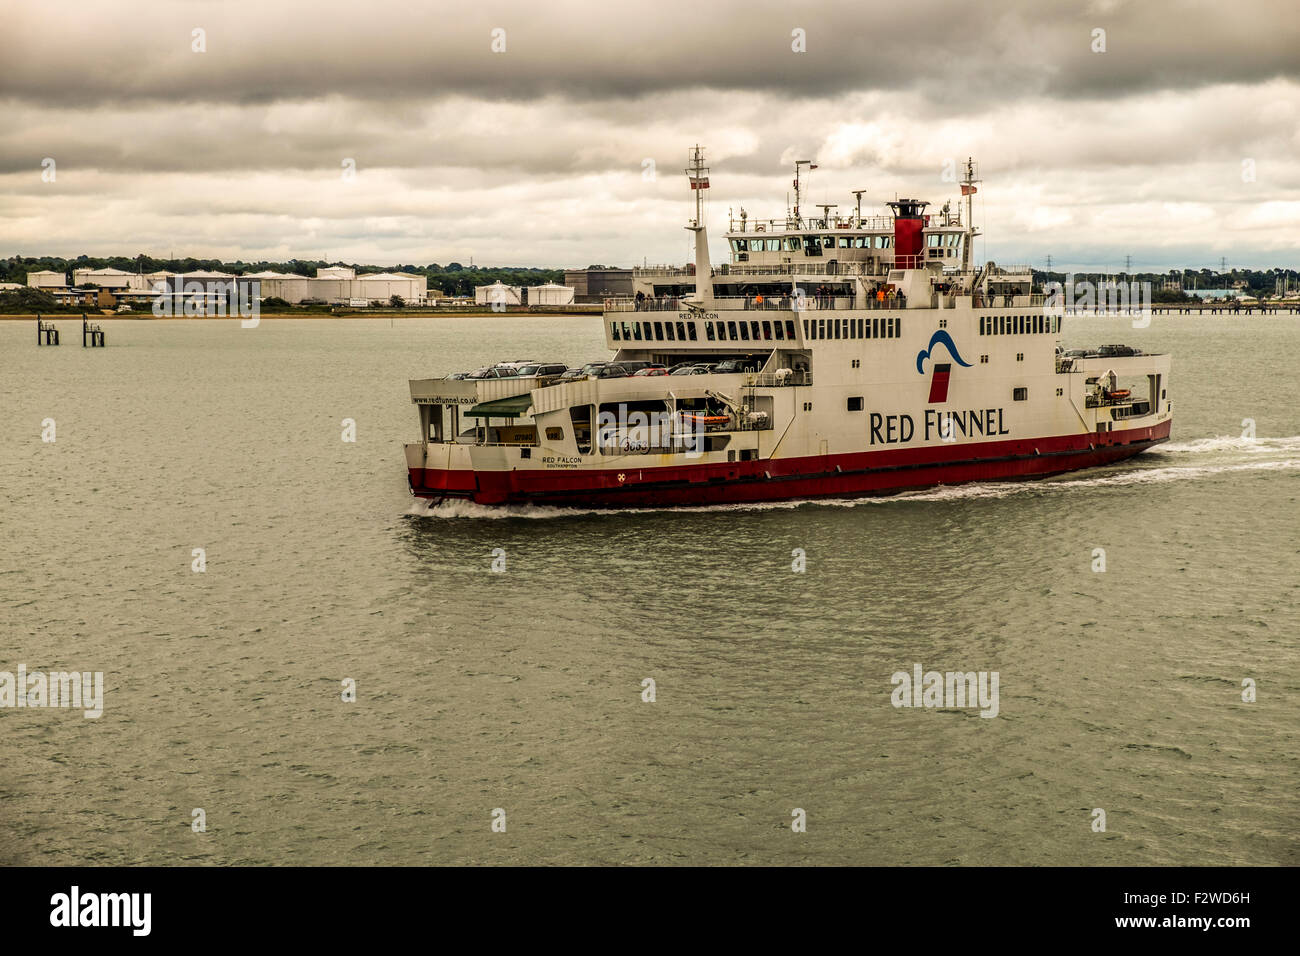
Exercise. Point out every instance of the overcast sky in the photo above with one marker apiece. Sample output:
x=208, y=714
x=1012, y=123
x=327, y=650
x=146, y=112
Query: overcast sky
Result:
x=1178, y=144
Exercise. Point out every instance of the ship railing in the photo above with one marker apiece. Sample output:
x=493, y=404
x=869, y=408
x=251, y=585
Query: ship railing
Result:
x=1022, y=301
x=790, y=224
x=741, y=303
x=773, y=380
x=840, y=267
x=663, y=270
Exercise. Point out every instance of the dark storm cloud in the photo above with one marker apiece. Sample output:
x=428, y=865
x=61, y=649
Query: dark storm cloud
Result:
x=956, y=53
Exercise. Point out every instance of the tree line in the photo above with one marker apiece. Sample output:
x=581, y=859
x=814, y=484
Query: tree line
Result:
x=452, y=278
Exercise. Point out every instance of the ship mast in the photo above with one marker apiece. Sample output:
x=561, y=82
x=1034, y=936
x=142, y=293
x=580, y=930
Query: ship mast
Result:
x=699, y=177
x=968, y=190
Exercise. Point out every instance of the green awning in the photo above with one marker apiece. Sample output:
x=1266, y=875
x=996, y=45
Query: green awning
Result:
x=511, y=407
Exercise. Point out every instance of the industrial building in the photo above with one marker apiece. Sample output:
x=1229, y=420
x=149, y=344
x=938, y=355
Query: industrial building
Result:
x=593, y=285
x=45, y=279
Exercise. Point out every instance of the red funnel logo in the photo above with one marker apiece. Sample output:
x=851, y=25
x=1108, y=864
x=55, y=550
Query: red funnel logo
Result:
x=939, y=383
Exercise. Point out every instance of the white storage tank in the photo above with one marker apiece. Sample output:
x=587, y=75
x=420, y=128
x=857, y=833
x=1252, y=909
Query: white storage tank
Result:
x=550, y=294
x=498, y=292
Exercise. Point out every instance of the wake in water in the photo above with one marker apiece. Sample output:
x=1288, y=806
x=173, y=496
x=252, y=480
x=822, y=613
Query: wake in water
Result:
x=1180, y=461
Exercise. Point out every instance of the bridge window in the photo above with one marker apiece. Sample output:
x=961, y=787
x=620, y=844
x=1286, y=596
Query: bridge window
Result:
x=828, y=242
x=774, y=245
x=792, y=244
x=780, y=330
x=846, y=242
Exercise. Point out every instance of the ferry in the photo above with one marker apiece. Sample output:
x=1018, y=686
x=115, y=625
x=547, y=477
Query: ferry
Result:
x=832, y=356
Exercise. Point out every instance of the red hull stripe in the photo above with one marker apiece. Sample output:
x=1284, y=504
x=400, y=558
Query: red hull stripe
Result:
x=859, y=473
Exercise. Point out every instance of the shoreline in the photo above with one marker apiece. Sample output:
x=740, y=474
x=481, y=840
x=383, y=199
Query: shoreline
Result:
x=276, y=316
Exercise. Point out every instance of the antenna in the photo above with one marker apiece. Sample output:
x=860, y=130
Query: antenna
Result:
x=811, y=166
x=826, y=212
x=1128, y=263
x=858, y=193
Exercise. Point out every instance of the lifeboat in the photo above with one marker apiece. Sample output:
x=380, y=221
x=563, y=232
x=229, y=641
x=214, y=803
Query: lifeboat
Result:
x=708, y=421
x=1118, y=394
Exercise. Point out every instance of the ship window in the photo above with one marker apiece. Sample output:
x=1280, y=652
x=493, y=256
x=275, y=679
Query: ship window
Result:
x=862, y=242
x=806, y=326
x=981, y=325
x=811, y=246
x=875, y=328
x=855, y=403
x=932, y=240
x=691, y=328
x=681, y=332
x=740, y=245
x=613, y=331
x=753, y=328
x=731, y=331
x=744, y=330
x=821, y=329
x=646, y=327
x=555, y=434
x=789, y=330
x=846, y=242
x=1019, y=394
x=828, y=242
x=659, y=331
x=767, y=331
x=780, y=330
x=708, y=331
x=792, y=243
x=668, y=332
x=636, y=331
x=774, y=245
x=861, y=323
x=835, y=328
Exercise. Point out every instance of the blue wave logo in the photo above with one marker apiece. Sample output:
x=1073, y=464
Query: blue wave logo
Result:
x=939, y=338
